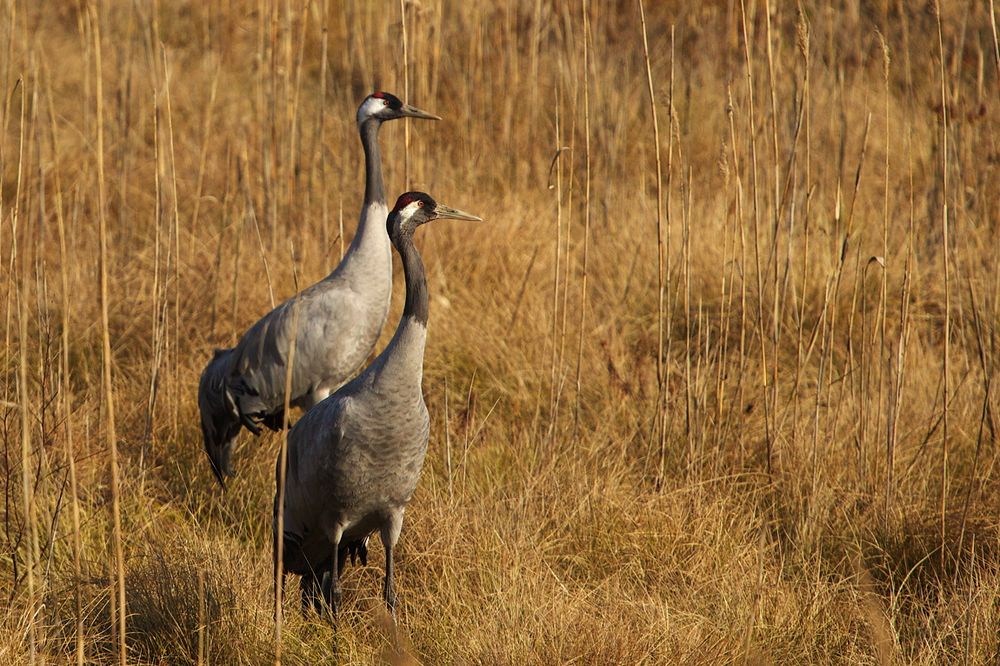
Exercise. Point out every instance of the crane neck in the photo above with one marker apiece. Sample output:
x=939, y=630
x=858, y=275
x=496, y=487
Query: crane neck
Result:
x=370, y=256
x=399, y=368
x=417, y=304
x=374, y=185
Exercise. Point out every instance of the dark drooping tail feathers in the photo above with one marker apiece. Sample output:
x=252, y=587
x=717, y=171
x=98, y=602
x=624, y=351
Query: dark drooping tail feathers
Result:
x=220, y=423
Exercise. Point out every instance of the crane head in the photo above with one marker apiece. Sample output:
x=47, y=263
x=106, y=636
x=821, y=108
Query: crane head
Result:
x=415, y=208
x=384, y=106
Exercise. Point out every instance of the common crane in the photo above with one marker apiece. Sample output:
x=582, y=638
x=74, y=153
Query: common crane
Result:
x=353, y=460
x=339, y=321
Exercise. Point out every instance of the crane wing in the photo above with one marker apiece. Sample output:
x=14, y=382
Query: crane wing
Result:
x=319, y=329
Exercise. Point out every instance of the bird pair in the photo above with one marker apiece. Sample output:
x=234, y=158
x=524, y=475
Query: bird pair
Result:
x=354, y=459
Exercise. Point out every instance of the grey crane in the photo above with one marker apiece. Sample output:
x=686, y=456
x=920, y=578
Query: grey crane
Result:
x=338, y=323
x=353, y=460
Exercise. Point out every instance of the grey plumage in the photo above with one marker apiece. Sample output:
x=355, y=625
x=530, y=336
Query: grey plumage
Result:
x=334, y=324
x=354, y=459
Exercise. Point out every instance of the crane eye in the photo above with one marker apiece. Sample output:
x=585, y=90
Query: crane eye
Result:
x=420, y=204
x=385, y=102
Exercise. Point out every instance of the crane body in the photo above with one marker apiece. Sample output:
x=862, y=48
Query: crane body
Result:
x=333, y=324
x=354, y=459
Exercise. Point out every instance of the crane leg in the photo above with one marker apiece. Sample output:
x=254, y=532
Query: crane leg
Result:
x=390, y=535
x=332, y=592
x=342, y=558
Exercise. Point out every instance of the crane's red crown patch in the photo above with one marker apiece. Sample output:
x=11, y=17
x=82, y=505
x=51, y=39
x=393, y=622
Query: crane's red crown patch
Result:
x=390, y=100
x=408, y=198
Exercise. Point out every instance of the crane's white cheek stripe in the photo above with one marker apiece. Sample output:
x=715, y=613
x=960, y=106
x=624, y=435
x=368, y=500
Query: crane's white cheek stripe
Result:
x=369, y=108
x=407, y=212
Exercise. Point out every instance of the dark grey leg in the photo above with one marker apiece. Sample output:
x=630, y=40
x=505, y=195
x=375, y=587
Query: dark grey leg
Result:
x=388, y=593
x=342, y=559
x=390, y=535
x=332, y=591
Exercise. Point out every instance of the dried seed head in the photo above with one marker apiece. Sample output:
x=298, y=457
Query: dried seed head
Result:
x=885, y=53
x=802, y=34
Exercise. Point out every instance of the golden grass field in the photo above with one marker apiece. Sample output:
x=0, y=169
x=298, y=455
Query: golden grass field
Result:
x=757, y=427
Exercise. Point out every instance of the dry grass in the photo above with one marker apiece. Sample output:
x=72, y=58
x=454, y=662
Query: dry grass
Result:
x=795, y=480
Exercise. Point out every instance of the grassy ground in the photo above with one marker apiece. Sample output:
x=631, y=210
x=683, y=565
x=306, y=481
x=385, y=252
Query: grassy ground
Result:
x=757, y=427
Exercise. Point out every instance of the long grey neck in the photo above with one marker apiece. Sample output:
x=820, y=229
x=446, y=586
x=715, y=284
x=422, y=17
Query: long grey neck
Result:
x=402, y=362
x=374, y=185
x=369, y=251
x=417, y=303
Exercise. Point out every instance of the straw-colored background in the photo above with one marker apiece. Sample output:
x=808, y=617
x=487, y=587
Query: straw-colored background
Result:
x=788, y=459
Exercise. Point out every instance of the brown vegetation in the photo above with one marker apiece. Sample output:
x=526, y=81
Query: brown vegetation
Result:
x=786, y=455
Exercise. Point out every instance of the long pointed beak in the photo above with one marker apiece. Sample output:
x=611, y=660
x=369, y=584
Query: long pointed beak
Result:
x=443, y=212
x=413, y=112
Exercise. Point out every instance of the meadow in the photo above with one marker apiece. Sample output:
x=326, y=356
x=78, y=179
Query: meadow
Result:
x=711, y=384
